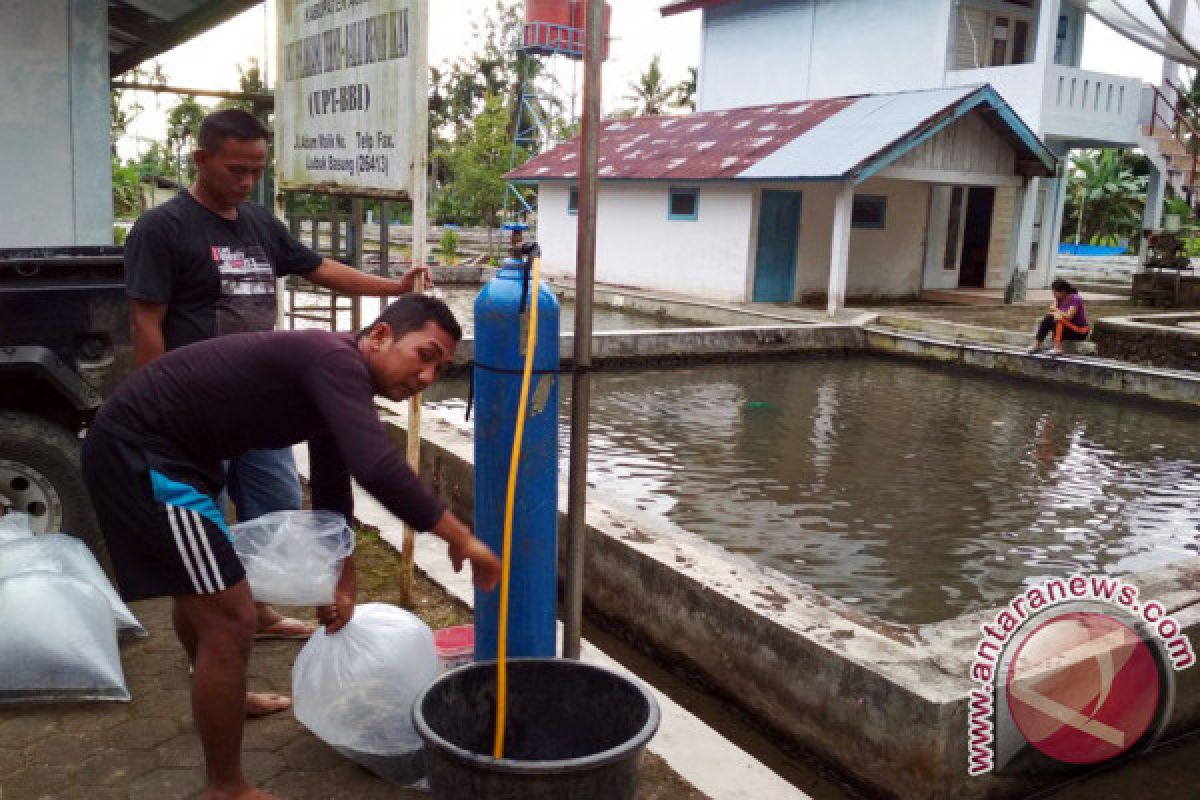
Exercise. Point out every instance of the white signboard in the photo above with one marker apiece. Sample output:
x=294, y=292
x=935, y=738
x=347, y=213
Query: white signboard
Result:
x=351, y=101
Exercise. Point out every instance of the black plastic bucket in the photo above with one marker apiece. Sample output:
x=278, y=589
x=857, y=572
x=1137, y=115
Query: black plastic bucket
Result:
x=574, y=731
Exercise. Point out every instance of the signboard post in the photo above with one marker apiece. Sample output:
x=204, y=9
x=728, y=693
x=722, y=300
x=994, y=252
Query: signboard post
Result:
x=352, y=118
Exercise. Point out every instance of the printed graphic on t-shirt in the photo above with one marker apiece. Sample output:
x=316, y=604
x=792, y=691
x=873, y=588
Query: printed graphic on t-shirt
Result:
x=247, y=301
x=244, y=272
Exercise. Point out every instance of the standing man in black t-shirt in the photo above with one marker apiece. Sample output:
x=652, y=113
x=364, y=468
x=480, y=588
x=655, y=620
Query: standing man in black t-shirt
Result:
x=204, y=264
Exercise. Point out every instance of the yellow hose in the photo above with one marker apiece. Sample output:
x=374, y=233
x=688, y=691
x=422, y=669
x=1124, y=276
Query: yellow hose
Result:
x=506, y=558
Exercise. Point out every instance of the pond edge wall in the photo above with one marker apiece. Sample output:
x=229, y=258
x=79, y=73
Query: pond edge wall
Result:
x=885, y=703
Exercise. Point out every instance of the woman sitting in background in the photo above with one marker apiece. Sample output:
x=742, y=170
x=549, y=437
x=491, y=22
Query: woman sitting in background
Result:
x=1067, y=318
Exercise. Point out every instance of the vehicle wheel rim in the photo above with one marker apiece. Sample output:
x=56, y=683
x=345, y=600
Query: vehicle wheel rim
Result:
x=23, y=488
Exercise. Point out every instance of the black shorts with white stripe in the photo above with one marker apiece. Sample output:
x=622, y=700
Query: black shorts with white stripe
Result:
x=166, y=535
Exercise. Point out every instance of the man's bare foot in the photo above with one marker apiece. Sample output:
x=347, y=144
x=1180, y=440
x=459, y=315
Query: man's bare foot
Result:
x=246, y=792
x=261, y=704
x=273, y=625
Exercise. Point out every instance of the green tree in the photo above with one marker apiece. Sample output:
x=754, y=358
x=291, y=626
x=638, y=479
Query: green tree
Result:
x=122, y=114
x=650, y=93
x=126, y=189
x=1106, y=196
x=495, y=72
x=477, y=161
x=183, y=123
x=157, y=161
x=460, y=88
x=250, y=81
x=685, y=90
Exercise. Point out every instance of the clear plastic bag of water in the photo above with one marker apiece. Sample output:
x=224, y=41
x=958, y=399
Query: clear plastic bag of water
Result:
x=355, y=689
x=293, y=558
x=58, y=642
x=15, y=525
x=66, y=555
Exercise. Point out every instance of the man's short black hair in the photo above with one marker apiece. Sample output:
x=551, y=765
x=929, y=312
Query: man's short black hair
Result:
x=412, y=311
x=232, y=123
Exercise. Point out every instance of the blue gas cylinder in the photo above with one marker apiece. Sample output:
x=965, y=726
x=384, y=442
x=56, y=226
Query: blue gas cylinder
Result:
x=501, y=328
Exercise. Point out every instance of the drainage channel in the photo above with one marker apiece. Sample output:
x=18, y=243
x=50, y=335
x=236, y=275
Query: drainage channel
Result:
x=816, y=779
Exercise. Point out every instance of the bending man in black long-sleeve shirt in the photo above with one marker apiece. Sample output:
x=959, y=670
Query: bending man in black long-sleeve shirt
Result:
x=152, y=462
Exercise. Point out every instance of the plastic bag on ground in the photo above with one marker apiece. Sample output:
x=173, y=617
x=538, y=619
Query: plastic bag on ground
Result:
x=293, y=558
x=355, y=689
x=66, y=555
x=58, y=642
x=15, y=525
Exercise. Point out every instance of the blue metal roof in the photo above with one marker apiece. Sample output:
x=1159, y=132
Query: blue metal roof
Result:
x=868, y=136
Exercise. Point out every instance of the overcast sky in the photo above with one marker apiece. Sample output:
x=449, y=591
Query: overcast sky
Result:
x=210, y=61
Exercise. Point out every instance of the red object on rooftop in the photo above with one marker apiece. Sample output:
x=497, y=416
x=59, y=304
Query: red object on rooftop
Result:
x=559, y=27
x=579, y=20
x=551, y=12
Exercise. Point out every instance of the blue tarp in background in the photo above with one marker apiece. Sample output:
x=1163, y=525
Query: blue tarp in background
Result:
x=1066, y=249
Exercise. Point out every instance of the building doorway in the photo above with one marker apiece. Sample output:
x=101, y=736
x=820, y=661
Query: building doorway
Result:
x=778, y=236
x=977, y=233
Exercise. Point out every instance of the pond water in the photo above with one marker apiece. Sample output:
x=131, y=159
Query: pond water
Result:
x=461, y=300
x=913, y=492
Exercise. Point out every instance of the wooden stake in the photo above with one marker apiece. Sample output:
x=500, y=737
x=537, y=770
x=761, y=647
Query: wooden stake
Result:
x=409, y=545
x=420, y=177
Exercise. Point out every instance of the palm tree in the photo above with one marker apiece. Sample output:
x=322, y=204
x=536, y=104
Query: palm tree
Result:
x=685, y=90
x=650, y=94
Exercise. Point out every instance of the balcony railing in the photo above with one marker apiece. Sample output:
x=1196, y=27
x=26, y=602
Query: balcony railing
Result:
x=1091, y=105
x=1065, y=102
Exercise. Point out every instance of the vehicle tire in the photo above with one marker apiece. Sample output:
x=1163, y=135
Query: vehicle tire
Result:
x=40, y=475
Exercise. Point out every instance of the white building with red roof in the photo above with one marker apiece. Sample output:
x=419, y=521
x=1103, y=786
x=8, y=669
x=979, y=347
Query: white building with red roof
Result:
x=879, y=148
x=796, y=200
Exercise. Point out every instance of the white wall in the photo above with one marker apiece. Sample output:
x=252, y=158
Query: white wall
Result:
x=767, y=51
x=883, y=263
x=878, y=46
x=713, y=257
x=1021, y=85
x=638, y=246
x=54, y=128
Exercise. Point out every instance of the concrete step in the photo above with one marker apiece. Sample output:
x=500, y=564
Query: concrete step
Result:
x=974, y=334
x=1170, y=146
x=962, y=297
x=1183, y=163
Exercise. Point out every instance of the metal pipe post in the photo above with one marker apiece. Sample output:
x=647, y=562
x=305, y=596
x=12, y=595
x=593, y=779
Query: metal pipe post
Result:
x=385, y=252
x=358, y=241
x=581, y=387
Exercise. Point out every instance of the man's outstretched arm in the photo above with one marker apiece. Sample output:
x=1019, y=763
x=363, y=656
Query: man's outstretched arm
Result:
x=350, y=281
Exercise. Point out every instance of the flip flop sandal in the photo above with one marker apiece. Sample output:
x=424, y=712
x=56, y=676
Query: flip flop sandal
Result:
x=287, y=628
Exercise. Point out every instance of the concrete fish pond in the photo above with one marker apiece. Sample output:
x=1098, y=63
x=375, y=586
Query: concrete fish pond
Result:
x=842, y=605
x=461, y=300
x=1163, y=340
x=847, y=472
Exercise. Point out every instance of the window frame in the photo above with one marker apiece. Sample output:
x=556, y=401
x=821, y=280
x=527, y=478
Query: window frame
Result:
x=677, y=191
x=878, y=201
x=573, y=194
x=984, y=48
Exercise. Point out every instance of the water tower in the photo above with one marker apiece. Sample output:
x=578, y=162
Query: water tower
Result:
x=552, y=28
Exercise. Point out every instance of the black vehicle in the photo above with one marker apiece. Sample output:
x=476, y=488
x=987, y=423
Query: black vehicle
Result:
x=64, y=344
